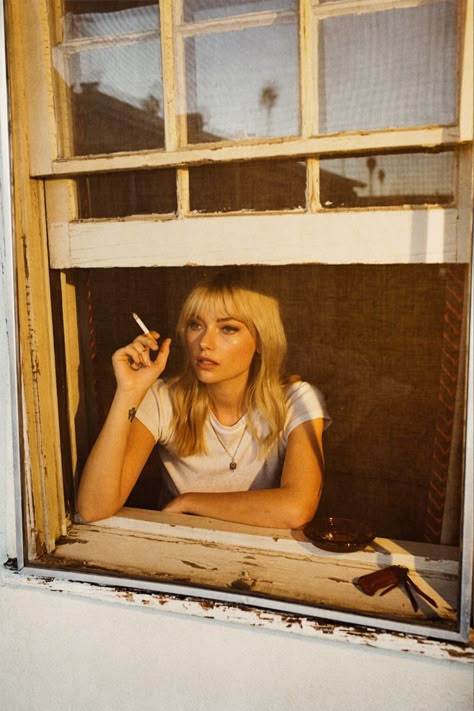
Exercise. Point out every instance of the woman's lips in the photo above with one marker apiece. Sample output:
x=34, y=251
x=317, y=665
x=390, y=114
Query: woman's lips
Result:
x=206, y=363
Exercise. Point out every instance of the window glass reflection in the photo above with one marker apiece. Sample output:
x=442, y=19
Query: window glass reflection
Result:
x=256, y=185
x=114, y=90
x=388, y=69
x=108, y=117
x=388, y=179
x=243, y=84
x=128, y=193
x=201, y=10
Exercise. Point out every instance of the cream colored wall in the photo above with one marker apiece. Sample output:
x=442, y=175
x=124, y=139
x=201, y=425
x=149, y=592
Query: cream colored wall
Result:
x=62, y=652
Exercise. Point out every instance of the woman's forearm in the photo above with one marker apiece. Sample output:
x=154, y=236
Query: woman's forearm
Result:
x=273, y=508
x=101, y=490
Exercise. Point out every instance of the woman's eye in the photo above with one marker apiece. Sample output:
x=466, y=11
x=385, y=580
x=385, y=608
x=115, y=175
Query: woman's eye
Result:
x=194, y=325
x=230, y=329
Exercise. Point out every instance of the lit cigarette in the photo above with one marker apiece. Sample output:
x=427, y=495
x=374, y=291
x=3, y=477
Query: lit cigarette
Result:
x=145, y=330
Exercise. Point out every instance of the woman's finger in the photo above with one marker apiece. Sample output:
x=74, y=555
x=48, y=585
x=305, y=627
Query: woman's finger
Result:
x=137, y=354
x=133, y=353
x=162, y=357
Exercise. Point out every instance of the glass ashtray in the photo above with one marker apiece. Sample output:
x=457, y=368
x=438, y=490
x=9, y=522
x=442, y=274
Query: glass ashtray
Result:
x=339, y=535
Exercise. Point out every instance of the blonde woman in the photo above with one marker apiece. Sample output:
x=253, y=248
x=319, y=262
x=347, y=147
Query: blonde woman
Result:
x=237, y=442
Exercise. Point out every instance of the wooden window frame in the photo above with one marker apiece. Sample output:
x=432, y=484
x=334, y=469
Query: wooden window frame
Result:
x=48, y=234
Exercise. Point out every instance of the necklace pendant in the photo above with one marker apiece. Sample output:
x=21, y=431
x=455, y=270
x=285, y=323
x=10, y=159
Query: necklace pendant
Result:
x=232, y=465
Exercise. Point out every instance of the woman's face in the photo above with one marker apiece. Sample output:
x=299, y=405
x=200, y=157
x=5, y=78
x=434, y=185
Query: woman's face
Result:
x=220, y=348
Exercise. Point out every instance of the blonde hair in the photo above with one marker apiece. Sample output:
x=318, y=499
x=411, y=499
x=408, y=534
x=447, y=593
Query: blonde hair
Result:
x=265, y=393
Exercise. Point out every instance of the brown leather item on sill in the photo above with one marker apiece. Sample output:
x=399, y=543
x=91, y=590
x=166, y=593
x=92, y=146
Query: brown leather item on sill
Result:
x=387, y=579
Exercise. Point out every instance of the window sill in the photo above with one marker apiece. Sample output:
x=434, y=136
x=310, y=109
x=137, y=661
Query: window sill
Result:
x=93, y=560
x=265, y=568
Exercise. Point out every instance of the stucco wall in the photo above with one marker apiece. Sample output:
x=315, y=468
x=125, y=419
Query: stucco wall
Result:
x=66, y=653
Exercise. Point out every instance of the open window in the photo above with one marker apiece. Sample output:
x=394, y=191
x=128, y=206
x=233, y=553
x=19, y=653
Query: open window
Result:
x=326, y=151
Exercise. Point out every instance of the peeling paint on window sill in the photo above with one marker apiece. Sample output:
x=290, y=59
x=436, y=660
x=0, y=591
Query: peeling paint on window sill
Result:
x=223, y=612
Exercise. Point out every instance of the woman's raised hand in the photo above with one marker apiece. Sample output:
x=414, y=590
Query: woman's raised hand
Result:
x=133, y=365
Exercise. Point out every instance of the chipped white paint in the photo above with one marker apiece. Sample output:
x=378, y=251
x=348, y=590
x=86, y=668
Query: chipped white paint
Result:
x=257, y=149
x=424, y=557
x=378, y=236
x=283, y=566
x=246, y=615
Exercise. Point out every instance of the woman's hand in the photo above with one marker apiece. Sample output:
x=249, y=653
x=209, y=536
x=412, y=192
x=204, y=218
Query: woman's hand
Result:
x=133, y=365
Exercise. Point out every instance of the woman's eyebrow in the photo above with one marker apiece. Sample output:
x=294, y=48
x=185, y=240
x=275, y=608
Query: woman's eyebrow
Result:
x=222, y=319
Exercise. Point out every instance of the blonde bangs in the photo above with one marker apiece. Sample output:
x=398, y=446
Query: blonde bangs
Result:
x=230, y=302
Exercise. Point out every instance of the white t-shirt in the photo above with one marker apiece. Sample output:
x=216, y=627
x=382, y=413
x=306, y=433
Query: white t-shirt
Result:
x=210, y=472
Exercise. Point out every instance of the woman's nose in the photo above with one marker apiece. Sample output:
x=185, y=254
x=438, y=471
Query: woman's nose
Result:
x=208, y=340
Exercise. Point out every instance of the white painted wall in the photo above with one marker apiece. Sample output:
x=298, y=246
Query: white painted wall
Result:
x=75, y=650
x=63, y=652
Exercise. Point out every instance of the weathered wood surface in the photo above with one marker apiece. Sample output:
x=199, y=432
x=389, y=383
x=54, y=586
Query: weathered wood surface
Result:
x=281, y=565
x=375, y=237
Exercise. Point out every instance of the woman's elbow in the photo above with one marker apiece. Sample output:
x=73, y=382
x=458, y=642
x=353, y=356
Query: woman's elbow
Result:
x=90, y=512
x=87, y=513
x=300, y=513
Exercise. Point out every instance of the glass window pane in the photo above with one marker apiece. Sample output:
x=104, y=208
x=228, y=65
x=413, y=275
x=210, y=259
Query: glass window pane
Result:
x=243, y=84
x=259, y=185
x=388, y=69
x=98, y=18
x=201, y=10
x=114, y=90
x=125, y=114
x=397, y=179
x=129, y=193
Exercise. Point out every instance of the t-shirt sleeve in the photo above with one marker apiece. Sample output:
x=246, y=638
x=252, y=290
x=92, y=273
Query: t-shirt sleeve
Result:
x=155, y=411
x=305, y=402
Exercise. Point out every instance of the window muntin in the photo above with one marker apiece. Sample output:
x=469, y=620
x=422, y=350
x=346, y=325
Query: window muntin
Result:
x=202, y=10
x=391, y=68
x=377, y=180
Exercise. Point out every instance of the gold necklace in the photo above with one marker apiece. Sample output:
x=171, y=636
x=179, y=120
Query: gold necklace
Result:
x=233, y=463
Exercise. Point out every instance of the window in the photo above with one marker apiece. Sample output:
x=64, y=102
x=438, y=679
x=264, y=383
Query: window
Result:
x=328, y=152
